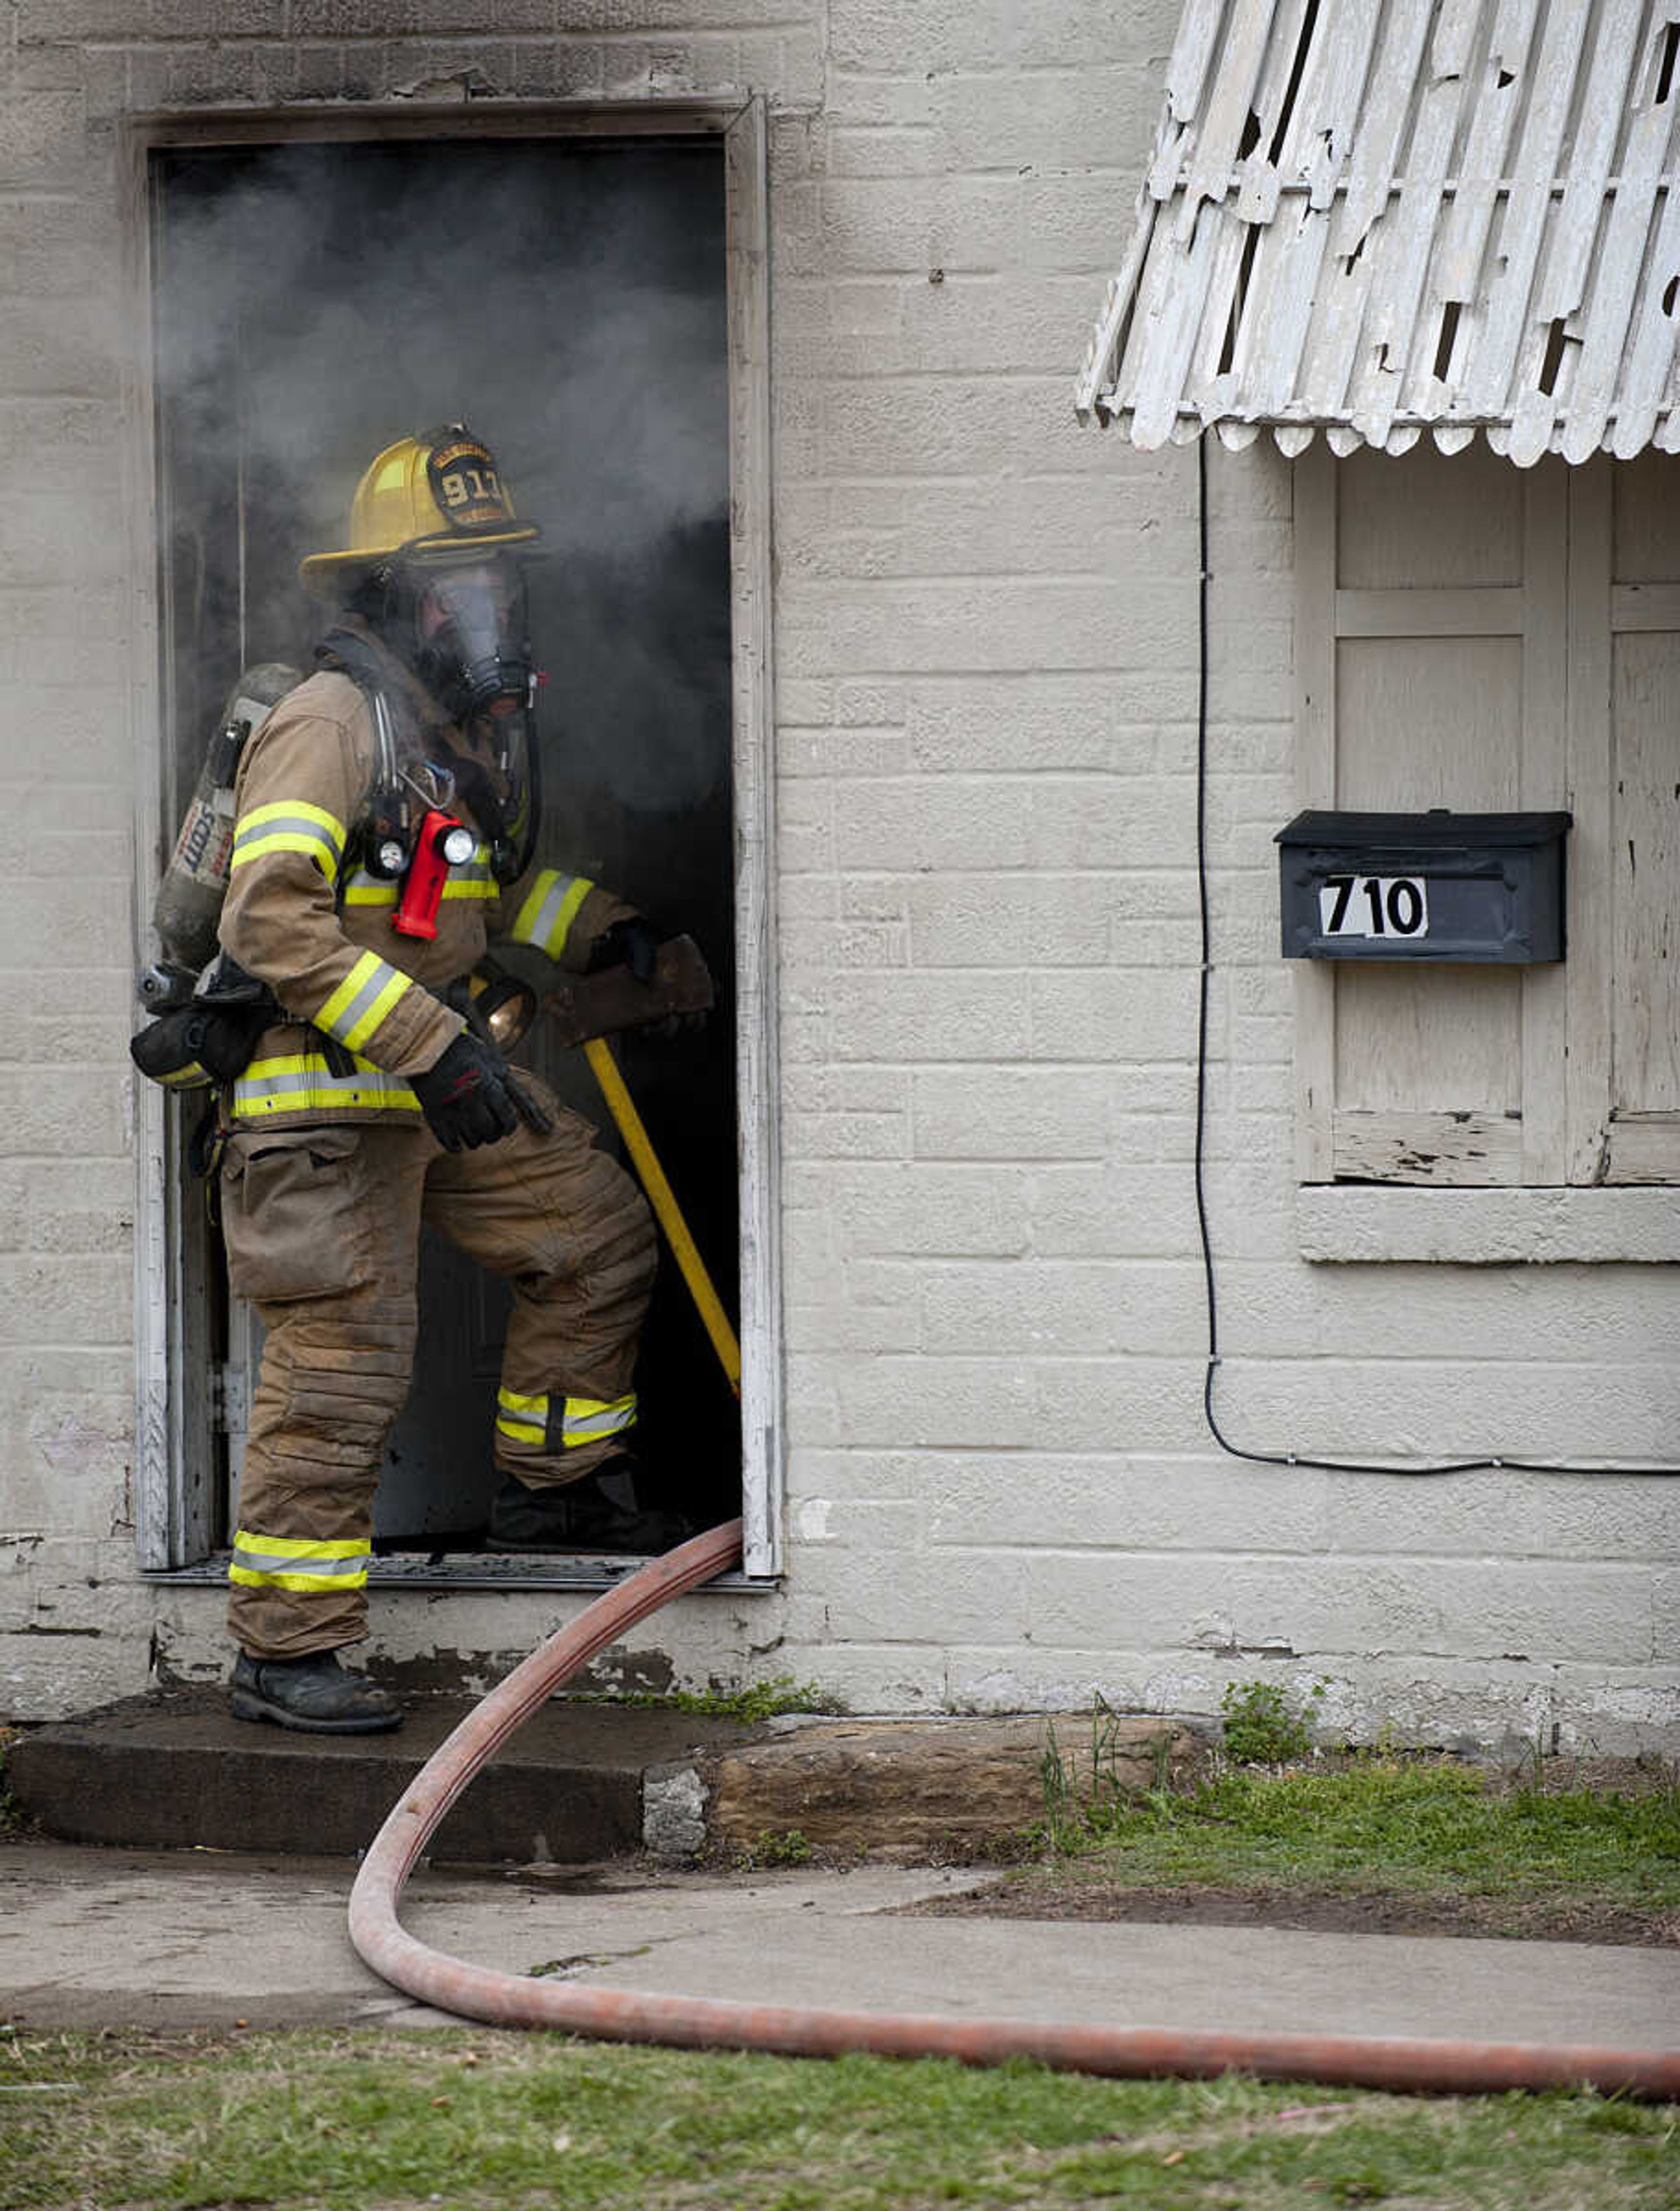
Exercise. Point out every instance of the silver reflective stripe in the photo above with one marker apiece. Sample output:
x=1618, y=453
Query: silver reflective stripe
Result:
x=253, y=832
x=364, y=889
x=540, y=929
x=303, y=1082
x=468, y=877
x=282, y=1085
x=272, y=1562
x=598, y=1421
x=346, y=1021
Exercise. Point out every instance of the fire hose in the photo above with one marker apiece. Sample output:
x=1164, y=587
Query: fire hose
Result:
x=793, y=2031
x=501, y=1999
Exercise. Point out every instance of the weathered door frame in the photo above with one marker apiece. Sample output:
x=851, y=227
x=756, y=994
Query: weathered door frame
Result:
x=176, y=1414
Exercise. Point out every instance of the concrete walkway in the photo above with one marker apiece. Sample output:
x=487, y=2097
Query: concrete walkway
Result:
x=125, y=1938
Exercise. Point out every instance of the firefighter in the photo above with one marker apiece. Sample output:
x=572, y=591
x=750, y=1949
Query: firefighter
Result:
x=384, y=821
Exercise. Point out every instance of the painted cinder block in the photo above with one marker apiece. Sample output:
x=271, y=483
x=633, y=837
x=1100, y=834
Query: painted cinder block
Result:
x=889, y=36
x=1365, y=1405
x=945, y=1015
x=994, y=921
x=927, y=1208
x=889, y=224
x=67, y=22
x=1103, y=1500
x=1009, y=1113
x=912, y=824
x=934, y=1598
x=53, y=347
x=1131, y=1211
x=1327, y=1610
x=1070, y=1309
x=1091, y=120
x=1022, y=721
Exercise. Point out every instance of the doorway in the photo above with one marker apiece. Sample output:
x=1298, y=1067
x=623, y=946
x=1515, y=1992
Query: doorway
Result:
x=570, y=298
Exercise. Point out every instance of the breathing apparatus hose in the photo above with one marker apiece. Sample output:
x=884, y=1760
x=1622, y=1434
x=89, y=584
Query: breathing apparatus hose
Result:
x=706, y=2023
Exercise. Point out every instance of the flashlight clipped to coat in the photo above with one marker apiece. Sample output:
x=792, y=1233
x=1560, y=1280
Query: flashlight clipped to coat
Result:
x=443, y=843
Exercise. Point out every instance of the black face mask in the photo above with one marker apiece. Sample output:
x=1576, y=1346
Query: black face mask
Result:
x=465, y=632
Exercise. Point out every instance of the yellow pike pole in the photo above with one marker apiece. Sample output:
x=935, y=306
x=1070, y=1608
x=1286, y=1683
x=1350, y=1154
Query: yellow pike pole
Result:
x=662, y=1199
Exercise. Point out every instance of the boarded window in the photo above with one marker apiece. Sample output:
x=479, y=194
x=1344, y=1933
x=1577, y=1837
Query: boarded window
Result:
x=1484, y=639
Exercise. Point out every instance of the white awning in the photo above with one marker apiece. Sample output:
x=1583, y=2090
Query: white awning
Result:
x=1385, y=217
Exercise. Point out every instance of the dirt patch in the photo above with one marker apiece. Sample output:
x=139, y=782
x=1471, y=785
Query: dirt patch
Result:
x=1376, y=1911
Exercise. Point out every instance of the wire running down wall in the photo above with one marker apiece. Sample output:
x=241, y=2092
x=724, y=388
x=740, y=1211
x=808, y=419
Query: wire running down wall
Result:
x=1382, y=218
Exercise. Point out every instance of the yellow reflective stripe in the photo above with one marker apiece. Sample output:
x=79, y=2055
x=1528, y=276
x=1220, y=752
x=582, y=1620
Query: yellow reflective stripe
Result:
x=588, y=1419
x=289, y=825
x=471, y=879
x=189, y=1077
x=302, y=1547
x=521, y=1432
x=293, y=810
x=313, y=847
x=550, y=908
x=306, y=1585
x=396, y=983
x=370, y=890
x=534, y=1429
x=584, y=1420
x=362, y=973
x=290, y=1562
x=362, y=1001
x=301, y=1082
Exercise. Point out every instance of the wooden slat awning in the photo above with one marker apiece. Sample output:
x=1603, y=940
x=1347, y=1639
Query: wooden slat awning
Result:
x=1380, y=218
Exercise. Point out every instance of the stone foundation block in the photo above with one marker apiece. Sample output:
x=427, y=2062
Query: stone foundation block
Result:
x=928, y=1788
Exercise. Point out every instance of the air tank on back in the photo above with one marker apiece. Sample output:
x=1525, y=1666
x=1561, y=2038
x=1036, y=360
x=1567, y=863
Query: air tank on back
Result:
x=188, y=906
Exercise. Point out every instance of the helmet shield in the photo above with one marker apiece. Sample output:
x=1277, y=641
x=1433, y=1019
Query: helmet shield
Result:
x=440, y=494
x=471, y=635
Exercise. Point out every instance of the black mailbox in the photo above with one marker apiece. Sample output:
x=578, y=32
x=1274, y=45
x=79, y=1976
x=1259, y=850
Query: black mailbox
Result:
x=1436, y=885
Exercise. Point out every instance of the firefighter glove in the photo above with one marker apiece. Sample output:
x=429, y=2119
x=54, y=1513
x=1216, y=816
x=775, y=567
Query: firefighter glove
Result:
x=464, y=1096
x=629, y=944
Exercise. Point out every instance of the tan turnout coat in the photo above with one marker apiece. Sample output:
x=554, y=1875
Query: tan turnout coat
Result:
x=304, y=915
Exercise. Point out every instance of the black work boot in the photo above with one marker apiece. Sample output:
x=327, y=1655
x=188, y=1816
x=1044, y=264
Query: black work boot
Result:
x=596, y=1513
x=315, y=1693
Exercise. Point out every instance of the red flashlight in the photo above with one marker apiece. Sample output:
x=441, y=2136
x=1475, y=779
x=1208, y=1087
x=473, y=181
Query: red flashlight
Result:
x=442, y=843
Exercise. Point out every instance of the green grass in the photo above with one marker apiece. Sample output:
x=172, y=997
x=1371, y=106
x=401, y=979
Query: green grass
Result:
x=1429, y=1825
x=478, y=2121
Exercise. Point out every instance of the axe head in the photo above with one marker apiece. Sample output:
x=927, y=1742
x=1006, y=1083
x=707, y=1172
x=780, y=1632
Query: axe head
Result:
x=585, y=1006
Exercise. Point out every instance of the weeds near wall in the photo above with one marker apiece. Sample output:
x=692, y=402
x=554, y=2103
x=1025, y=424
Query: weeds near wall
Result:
x=780, y=1846
x=1076, y=1816
x=1262, y=1727
x=757, y=1701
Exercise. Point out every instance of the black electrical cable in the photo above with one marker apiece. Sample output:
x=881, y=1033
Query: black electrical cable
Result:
x=1237, y=1450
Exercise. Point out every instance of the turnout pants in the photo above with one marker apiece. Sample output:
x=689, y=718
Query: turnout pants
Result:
x=323, y=1234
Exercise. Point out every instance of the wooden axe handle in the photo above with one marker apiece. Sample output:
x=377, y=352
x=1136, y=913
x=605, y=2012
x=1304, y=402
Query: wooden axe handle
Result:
x=585, y=1006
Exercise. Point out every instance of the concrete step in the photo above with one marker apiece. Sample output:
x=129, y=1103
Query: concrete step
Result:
x=176, y=1771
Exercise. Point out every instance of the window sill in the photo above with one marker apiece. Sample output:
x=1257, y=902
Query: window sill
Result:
x=1368, y=1222
x=475, y=1570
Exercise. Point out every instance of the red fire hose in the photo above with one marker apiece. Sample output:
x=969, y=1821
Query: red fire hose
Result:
x=702, y=2023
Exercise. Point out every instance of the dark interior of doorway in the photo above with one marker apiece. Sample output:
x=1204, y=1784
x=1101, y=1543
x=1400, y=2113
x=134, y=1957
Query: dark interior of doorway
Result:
x=566, y=297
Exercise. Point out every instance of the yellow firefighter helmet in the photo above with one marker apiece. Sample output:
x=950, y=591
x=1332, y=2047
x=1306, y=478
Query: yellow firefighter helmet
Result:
x=435, y=497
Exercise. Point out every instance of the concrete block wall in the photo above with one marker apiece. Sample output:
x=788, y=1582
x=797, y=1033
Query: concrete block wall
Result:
x=1000, y=1489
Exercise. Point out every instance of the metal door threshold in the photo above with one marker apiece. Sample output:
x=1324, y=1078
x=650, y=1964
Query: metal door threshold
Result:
x=481, y=1569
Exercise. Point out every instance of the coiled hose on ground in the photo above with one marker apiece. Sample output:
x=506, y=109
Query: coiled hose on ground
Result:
x=702, y=2023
